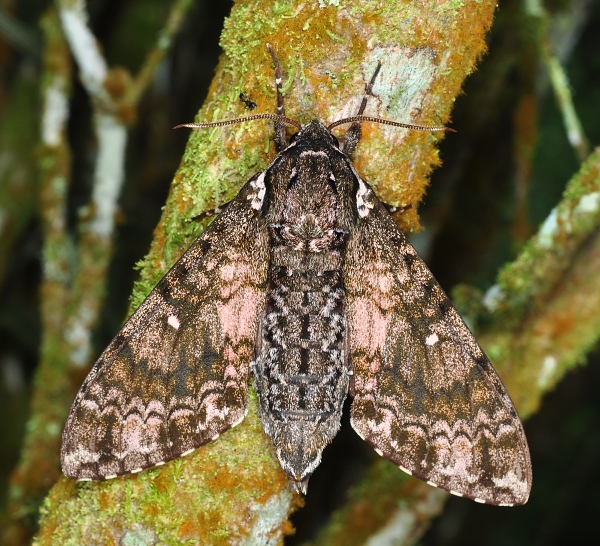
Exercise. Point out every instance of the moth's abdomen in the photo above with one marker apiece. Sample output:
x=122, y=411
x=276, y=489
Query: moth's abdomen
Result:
x=302, y=342
x=300, y=371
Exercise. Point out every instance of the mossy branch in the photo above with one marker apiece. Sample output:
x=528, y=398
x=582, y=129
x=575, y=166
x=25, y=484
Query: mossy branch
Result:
x=545, y=309
x=38, y=468
x=233, y=490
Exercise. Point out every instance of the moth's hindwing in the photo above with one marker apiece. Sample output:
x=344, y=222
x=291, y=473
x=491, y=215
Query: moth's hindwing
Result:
x=425, y=395
x=176, y=375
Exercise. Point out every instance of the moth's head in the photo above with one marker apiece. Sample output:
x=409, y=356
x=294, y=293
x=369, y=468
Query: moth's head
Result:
x=315, y=131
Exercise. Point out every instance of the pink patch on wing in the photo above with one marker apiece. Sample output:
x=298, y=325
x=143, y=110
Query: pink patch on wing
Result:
x=383, y=282
x=230, y=371
x=231, y=271
x=236, y=275
x=368, y=326
x=239, y=315
x=365, y=386
x=232, y=279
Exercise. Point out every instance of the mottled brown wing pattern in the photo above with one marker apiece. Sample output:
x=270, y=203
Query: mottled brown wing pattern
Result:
x=176, y=375
x=425, y=395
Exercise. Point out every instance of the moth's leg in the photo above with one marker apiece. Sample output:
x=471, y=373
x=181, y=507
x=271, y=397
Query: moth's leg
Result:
x=280, y=136
x=393, y=210
x=354, y=133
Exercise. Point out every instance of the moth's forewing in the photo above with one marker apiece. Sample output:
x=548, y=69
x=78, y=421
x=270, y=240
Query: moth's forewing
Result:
x=176, y=375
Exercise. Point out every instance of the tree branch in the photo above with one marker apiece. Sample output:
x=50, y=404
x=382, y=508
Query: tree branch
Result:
x=233, y=489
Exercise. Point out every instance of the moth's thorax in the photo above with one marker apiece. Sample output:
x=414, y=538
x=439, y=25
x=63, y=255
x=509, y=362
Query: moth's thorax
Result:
x=310, y=205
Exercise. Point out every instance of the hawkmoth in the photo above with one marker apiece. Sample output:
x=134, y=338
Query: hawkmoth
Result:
x=306, y=283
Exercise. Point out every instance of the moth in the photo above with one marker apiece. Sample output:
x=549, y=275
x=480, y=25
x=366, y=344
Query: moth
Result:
x=305, y=283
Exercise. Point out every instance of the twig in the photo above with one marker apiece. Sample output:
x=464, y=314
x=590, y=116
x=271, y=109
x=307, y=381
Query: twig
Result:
x=163, y=44
x=96, y=227
x=560, y=84
x=559, y=80
x=18, y=35
x=90, y=62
